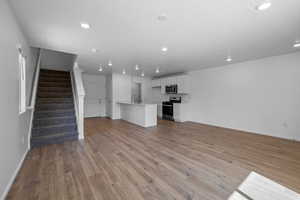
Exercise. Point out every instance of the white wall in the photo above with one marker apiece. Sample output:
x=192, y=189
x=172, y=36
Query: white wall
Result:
x=261, y=96
x=95, y=95
x=55, y=60
x=14, y=127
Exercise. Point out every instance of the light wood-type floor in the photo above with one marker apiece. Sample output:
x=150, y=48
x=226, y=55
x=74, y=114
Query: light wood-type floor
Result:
x=120, y=161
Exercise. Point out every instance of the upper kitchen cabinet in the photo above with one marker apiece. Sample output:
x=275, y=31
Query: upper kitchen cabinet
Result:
x=156, y=83
x=163, y=83
x=181, y=81
x=172, y=80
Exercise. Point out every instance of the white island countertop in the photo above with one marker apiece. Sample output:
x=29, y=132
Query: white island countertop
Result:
x=140, y=104
x=142, y=114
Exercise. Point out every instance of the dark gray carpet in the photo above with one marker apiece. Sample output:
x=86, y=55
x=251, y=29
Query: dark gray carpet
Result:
x=54, y=117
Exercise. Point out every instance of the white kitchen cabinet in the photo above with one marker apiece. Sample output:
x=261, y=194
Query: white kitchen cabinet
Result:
x=172, y=80
x=156, y=83
x=180, y=112
x=182, y=81
x=163, y=82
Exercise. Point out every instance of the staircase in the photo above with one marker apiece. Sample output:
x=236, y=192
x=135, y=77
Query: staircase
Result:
x=54, y=117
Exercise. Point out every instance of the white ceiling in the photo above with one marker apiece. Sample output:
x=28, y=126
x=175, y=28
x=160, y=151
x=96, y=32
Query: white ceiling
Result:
x=198, y=33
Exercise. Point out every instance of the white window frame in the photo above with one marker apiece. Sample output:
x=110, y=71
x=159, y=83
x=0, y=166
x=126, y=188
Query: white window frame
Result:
x=22, y=83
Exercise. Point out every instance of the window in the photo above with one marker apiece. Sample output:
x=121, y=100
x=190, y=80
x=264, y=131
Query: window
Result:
x=22, y=83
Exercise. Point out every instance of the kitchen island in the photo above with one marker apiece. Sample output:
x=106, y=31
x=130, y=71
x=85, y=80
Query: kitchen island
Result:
x=141, y=114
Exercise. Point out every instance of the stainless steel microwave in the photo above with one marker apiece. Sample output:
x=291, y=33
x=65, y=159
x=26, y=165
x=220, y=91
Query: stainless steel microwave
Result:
x=171, y=89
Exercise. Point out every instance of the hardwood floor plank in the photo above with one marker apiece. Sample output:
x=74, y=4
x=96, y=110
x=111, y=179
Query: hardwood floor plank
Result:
x=122, y=161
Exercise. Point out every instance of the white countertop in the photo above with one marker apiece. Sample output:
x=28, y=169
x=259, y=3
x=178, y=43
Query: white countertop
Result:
x=138, y=104
x=142, y=114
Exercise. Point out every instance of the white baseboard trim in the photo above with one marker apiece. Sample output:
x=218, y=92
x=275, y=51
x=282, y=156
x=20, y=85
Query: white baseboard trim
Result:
x=12, y=179
x=245, y=130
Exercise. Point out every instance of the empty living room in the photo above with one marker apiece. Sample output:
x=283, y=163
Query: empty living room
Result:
x=150, y=100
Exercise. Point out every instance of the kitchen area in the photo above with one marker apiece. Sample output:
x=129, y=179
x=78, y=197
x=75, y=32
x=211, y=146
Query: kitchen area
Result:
x=138, y=100
x=171, y=93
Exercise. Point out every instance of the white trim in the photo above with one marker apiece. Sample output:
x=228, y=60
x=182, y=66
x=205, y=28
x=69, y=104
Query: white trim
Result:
x=29, y=130
x=75, y=98
x=12, y=179
x=33, y=96
x=22, y=83
x=36, y=81
x=242, y=130
x=79, y=94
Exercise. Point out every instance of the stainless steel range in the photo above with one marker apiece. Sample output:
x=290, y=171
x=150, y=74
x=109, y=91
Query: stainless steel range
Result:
x=167, y=108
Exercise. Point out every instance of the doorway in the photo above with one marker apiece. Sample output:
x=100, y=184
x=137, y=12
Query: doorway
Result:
x=137, y=92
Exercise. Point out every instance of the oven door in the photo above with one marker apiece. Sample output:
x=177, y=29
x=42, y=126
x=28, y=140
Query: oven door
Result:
x=167, y=110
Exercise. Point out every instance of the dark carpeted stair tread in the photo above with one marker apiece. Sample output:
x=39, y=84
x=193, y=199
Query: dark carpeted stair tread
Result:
x=56, y=135
x=52, y=129
x=59, y=118
x=41, y=141
x=57, y=126
x=53, y=103
x=55, y=100
x=54, y=84
x=53, y=106
x=54, y=116
x=54, y=89
x=64, y=75
x=53, y=72
x=52, y=121
x=54, y=79
x=54, y=94
x=55, y=113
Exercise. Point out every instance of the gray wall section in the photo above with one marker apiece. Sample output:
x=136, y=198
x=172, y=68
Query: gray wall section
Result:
x=56, y=60
x=260, y=96
x=14, y=127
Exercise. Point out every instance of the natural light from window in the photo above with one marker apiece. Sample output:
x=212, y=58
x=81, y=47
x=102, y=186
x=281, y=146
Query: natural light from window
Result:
x=22, y=82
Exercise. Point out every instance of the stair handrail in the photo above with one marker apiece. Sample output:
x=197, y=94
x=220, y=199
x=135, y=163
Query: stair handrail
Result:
x=34, y=93
x=35, y=81
x=79, y=94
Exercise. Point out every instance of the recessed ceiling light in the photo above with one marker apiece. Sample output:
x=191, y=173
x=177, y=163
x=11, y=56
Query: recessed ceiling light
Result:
x=297, y=44
x=157, y=70
x=109, y=63
x=143, y=74
x=137, y=67
x=85, y=25
x=164, y=49
x=229, y=59
x=100, y=69
x=264, y=5
x=94, y=50
x=123, y=72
